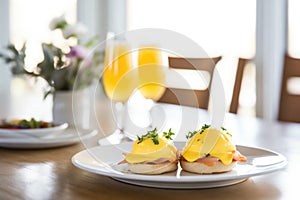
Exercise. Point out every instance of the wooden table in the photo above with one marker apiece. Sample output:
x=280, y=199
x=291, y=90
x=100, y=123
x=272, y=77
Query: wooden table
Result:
x=49, y=173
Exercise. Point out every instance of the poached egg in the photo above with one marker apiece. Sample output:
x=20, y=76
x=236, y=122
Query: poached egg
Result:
x=147, y=150
x=210, y=142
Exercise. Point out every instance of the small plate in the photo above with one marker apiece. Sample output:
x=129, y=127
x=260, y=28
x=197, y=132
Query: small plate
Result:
x=103, y=160
x=32, y=132
x=68, y=136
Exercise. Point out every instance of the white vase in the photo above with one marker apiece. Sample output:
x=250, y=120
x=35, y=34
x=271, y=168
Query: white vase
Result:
x=72, y=107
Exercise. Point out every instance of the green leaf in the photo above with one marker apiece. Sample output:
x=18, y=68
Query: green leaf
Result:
x=50, y=91
x=61, y=25
x=225, y=130
x=192, y=133
x=15, y=58
x=153, y=135
x=168, y=135
x=205, y=126
x=13, y=49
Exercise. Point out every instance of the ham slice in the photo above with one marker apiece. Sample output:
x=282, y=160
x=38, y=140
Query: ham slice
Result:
x=211, y=161
x=122, y=162
x=158, y=161
x=237, y=156
x=153, y=162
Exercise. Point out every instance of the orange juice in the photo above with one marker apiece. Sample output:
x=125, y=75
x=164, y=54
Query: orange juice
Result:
x=151, y=73
x=118, y=77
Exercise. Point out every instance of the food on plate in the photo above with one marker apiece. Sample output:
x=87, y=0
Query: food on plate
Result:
x=24, y=124
x=210, y=150
x=152, y=154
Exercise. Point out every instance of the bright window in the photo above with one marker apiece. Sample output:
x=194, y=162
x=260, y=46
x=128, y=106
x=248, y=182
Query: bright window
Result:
x=220, y=27
x=294, y=28
x=29, y=22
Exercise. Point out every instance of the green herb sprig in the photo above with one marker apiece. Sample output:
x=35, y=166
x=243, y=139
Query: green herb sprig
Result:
x=207, y=155
x=192, y=133
x=224, y=129
x=168, y=135
x=153, y=134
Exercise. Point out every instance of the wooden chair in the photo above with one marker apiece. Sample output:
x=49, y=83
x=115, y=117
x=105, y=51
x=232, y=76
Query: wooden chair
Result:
x=234, y=105
x=289, y=107
x=188, y=95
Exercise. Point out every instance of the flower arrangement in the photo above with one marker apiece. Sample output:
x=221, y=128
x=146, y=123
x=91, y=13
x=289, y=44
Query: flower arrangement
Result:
x=62, y=65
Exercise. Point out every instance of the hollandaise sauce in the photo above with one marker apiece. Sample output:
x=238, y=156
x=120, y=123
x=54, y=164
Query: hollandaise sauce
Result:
x=210, y=142
x=148, y=151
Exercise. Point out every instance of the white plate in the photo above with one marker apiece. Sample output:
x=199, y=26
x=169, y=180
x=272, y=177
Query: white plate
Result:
x=31, y=133
x=64, y=138
x=103, y=160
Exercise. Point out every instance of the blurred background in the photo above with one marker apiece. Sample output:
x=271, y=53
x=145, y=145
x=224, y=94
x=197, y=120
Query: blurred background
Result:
x=261, y=30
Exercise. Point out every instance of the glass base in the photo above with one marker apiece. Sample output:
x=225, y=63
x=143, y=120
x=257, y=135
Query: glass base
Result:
x=117, y=137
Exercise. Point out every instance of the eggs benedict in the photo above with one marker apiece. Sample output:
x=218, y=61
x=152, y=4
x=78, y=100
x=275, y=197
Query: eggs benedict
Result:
x=210, y=150
x=152, y=154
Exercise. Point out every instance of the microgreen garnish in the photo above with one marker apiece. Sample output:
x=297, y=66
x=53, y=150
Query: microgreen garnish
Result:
x=224, y=129
x=205, y=126
x=192, y=133
x=153, y=135
x=168, y=135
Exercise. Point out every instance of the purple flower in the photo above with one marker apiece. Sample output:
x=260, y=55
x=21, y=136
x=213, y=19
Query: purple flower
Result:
x=79, y=55
x=78, y=52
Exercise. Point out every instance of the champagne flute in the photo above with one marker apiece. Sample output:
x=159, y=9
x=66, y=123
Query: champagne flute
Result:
x=151, y=74
x=118, y=81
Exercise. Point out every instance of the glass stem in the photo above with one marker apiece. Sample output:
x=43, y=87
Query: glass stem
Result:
x=121, y=114
x=150, y=118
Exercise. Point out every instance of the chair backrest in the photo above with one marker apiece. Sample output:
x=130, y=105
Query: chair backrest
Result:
x=202, y=96
x=234, y=105
x=289, y=107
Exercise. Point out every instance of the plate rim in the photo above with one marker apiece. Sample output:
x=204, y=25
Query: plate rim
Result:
x=34, y=131
x=191, y=179
x=182, y=185
x=19, y=142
